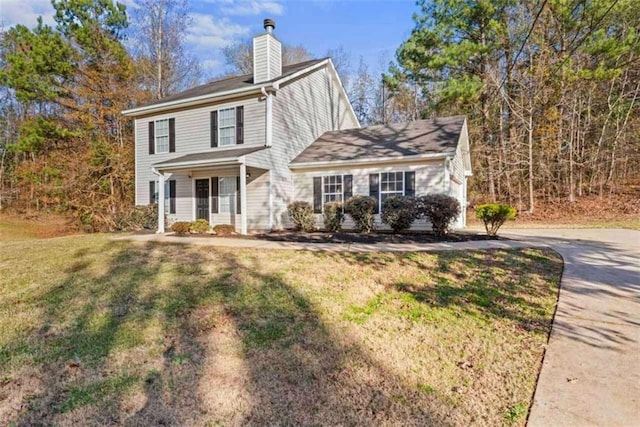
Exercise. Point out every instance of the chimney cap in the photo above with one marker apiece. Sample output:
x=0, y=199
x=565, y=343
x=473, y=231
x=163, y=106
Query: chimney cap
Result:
x=269, y=23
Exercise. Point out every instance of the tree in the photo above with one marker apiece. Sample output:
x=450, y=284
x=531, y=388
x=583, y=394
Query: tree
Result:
x=239, y=56
x=161, y=58
x=362, y=93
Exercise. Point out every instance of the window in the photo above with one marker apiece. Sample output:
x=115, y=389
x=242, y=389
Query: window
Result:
x=386, y=184
x=331, y=188
x=162, y=136
x=227, y=194
x=169, y=195
x=391, y=184
x=227, y=126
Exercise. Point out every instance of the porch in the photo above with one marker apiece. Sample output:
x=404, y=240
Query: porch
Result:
x=216, y=186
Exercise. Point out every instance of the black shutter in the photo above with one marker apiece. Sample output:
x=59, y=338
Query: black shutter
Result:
x=347, y=190
x=152, y=192
x=374, y=189
x=172, y=135
x=152, y=140
x=172, y=196
x=317, y=194
x=238, y=208
x=214, y=129
x=410, y=184
x=240, y=125
x=214, y=194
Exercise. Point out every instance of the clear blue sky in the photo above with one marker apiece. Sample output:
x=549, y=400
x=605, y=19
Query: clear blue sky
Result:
x=362, y=27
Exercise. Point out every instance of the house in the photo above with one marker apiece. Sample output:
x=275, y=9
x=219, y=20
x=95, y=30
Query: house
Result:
x=238, y=150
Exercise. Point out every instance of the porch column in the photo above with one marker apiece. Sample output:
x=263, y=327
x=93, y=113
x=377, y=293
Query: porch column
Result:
x=161, y=180
x=243, y=198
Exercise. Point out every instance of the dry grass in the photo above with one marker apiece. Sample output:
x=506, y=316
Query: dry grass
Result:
x=15, y=227
x=100, y=332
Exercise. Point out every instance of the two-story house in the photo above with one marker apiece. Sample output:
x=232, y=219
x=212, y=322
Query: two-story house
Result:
x=238, y=150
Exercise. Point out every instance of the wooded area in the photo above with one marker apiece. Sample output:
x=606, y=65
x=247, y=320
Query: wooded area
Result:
x=550, y=87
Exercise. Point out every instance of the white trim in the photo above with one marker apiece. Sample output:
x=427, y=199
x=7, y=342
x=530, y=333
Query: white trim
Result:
x=270, y=199
x=214, y=163
x=355, y=162
x=193, y=197
x=268, y=118
x=243, y=198
x=189, y=102
x=135, y=160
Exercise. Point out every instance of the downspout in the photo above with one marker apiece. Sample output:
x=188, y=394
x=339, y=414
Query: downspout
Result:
x=268, y=116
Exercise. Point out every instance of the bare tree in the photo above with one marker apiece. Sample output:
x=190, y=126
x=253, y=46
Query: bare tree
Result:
x=239, y=56
x=342, y=62
x=159, y=34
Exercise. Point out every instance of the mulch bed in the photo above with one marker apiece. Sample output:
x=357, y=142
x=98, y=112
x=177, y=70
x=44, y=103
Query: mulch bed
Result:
x=377, y=237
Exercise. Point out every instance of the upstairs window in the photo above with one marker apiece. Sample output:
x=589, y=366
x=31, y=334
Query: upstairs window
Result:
x=227, y=126
x=162, y=136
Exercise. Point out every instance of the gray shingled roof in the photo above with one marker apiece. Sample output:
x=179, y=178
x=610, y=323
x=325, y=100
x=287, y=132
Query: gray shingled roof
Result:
x=434, y=136
x=213, y=156
x=231, y=83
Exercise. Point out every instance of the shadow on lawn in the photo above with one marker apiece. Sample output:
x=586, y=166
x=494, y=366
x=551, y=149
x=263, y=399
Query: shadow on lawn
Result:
x=92, y=352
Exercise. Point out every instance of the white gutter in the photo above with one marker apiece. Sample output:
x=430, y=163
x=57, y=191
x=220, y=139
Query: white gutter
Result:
x=196, y=100
x=221, y=162
x=355, y=162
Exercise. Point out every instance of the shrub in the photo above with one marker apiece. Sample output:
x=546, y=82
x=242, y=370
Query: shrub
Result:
x=181, y=227
x=333, y=216
x=493, y=215
x=361, y=209
x=301, y=215
x=399, y=212
x=136, y=218
x=224, y=229
x=441, y=210
x=199, y=226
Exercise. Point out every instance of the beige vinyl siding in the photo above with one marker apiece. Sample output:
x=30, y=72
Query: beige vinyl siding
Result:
x=260, y=60
x=429, y=179
x=193, y=135
x=303, y=109
x=275, y=59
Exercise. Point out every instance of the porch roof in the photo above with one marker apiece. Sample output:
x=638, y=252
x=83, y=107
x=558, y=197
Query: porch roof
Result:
x=216, y=157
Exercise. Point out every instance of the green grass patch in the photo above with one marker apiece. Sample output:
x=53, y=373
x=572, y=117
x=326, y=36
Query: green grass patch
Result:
x=153, y=334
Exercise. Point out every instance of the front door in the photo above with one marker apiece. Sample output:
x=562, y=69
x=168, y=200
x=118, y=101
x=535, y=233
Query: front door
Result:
x=202, y=199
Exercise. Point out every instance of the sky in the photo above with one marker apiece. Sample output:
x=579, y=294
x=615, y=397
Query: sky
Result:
x=372, y=29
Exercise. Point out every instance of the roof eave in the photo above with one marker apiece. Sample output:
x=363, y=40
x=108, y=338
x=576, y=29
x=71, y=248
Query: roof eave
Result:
x=384, y=160
x=230, y=161
x=196, y=100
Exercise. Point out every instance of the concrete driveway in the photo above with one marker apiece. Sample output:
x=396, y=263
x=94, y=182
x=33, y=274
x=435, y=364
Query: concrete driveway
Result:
x=591, y=371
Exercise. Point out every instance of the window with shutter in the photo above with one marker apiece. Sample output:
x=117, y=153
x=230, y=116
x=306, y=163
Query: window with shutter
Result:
x=240, y=125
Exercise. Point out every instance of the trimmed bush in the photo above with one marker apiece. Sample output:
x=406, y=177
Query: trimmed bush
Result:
x=399, y=212
x=224, y=229
x=441, y=210
x=200, y=226
x=493, y=215
x=333, y=216
x=361, y=209
x=301, y=216
x=181, y=227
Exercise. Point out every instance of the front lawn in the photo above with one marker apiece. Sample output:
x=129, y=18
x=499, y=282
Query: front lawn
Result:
x=94, y=331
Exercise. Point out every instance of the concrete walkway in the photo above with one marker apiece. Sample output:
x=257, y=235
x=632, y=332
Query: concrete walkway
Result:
x=591, y=371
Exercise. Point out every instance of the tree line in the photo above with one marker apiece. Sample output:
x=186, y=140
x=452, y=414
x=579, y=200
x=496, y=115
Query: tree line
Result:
x=551, y=89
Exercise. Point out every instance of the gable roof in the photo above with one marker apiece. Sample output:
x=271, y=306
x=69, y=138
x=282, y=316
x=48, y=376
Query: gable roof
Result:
x=423, y=138
x=235, y=84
